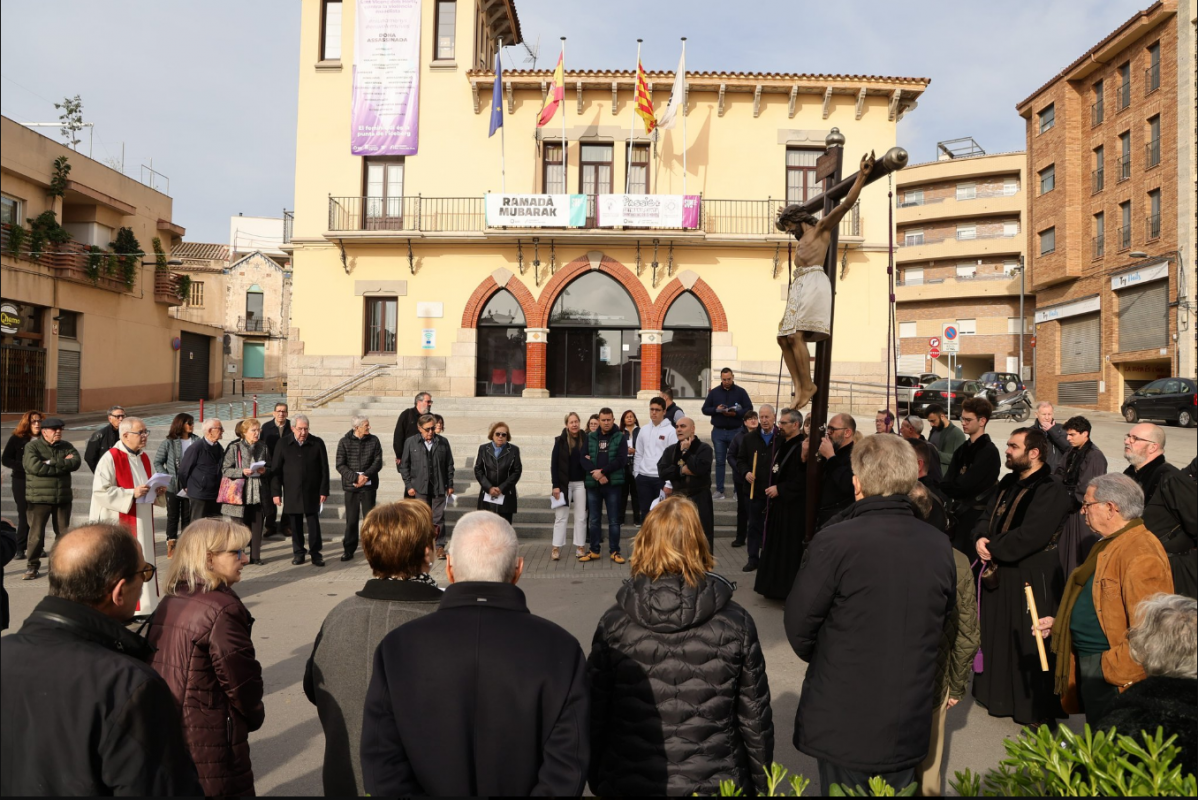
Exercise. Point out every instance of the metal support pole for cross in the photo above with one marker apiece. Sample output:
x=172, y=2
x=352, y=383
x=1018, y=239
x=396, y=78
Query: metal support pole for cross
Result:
x=201, y=409
x=255, y=406
x=835, y=188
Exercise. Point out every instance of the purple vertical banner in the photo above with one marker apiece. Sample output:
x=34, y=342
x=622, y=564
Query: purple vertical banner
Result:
x=690, y=211
x=386, y=101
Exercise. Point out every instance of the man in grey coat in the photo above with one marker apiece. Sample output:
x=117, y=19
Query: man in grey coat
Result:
x=427, y=471
x=398, y=541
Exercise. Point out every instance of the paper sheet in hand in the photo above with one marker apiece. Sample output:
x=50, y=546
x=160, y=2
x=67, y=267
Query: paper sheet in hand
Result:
x=158, y=479
x=368, y=483
x=497, y=500
x=256, y=466
x=661, y=496
x=557, y=502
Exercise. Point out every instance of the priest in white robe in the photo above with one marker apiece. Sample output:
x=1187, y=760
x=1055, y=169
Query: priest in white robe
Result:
x=122, y=477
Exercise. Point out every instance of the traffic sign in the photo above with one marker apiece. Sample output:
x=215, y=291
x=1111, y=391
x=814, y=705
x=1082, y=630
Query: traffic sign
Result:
x=934, y=341
x=934, y=352
x=949, y=335
x=1033, y=341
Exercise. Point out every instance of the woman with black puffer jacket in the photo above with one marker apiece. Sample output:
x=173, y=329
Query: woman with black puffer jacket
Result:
x=679, y=696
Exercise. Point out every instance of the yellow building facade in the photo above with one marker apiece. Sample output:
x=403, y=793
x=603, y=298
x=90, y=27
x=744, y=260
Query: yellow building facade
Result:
x=401, y=284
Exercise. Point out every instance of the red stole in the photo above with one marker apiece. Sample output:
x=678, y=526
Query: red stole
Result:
x=124, y=479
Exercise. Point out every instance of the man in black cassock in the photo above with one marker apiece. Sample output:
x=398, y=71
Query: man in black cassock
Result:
x=1019, y=533
x=686, y=466
x=785, y=511
x=969, y=481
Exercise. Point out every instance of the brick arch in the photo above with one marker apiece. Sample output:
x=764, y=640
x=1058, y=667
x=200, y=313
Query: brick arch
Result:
x=487, y=289
x=707, y=296
x=579, y=266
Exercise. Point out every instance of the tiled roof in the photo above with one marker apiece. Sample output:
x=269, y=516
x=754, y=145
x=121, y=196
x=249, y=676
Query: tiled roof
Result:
x=201, y=251
x=1086, y=55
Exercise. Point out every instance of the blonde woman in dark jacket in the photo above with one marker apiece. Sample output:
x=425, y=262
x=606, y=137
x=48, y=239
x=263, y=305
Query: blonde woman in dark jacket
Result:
x=675, y=623
x=201, y=634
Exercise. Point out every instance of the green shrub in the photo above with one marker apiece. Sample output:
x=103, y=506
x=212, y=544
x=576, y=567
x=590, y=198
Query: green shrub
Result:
x=128, y=255
x=1065, y=764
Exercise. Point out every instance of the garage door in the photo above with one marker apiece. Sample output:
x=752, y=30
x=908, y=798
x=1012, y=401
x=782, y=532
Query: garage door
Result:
x=1143, y=317
x=1130, y=387
x=68, y=382
x=193, y=366
x=1080, y=351
x=1077, y=393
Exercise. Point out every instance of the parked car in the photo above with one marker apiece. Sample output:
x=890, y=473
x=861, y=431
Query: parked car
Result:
x=926, y=378
x=1001, y=382
x=944, y=392
x=905, y=388
x=1170, y=399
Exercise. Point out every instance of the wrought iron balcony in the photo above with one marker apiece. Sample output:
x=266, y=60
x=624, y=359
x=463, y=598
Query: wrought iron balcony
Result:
x=1123, y=168
x=1123, y=96
x=256, y=326
x=1152, y=226
x=1096, y=181
x=1152, y=79
x=1096, y=114
x=1097, y=247
x=1152, y=153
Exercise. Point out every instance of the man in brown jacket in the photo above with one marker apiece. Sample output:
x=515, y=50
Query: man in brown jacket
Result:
x=1089, y=632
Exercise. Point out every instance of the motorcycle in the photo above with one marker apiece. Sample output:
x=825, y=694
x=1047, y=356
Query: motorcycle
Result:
x=1014, y=404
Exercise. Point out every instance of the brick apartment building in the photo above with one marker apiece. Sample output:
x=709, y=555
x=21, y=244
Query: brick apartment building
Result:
x=959, y=230
x=1103, y=227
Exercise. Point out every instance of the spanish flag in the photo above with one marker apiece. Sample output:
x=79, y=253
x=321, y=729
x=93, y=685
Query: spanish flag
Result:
x=644, y=106
x=556, y=94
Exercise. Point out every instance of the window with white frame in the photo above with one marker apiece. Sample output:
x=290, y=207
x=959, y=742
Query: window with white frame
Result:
x=967, y=191
x=907, y=330
x=913, y=276
x=1009, y=268
x=967, y=231
x=913, y=197
x=1010, y=185
x=1010, y=229
x=1013, y=325
x=966, y=271
x=330, y=31
x=913, y=237
x=967, y=327
x=11, y=211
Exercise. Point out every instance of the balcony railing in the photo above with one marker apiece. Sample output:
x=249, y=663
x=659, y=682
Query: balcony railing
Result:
x=1123, y=96
x=1123, y=168
x=1096, y=181
x=256, y=325
x=69, y=261
x=166, y=289
x=1096, y=114
x=982, y=194
x=468, y=215
x=1152, y=226
x=974, y=278
x=1123, y=236
x=960, y=237
x=1152, y=153
x=1152, y=79
x=1097, y=247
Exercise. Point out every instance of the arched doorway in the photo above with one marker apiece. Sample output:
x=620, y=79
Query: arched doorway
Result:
x=594, y=349
x=501, y=351
x=686, y=347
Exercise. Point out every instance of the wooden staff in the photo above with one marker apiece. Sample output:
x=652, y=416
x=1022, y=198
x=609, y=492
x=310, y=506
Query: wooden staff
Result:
x=753, y=483
x=1031, y=607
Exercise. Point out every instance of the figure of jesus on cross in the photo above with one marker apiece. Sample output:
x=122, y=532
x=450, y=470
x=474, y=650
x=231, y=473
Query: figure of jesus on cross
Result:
x=809, y=304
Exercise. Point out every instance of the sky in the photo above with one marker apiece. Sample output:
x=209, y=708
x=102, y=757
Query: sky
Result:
x=208, y=91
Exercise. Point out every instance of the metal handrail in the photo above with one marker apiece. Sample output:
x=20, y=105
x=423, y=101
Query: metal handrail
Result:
x=346, y=385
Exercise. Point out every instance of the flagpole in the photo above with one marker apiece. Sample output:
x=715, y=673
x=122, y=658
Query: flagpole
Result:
x=502, y=128
x=565, y=142
x=684, y=147
x=636, y=74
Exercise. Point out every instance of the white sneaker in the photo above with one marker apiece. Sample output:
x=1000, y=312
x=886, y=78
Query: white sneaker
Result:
x=718, y=496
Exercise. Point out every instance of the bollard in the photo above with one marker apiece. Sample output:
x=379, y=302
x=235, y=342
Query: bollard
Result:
x=255, y=406
x=201, y=409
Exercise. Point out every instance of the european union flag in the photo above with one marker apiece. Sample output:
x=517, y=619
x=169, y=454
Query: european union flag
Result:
x=497, y=98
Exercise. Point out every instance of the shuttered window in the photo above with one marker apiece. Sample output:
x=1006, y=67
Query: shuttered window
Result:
x=1143, y=317
x=1080, y=338
x=1077, y=393
x=68, y=381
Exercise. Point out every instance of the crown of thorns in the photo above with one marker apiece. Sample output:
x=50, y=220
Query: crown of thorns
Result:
x=792, y=216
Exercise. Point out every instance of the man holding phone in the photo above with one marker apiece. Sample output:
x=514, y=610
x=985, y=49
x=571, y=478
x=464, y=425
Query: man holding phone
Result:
x=726, y=404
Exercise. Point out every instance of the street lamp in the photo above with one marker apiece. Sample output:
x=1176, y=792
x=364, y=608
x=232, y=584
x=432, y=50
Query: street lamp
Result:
x=174, y=262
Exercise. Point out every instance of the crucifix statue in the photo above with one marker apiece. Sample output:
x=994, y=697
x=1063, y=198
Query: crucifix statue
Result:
x=809, y=304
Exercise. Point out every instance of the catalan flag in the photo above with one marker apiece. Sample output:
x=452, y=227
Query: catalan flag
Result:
x=557, y=92
x=644, y=105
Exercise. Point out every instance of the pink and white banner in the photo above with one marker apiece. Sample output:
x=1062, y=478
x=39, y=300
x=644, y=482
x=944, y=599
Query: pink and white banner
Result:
x=648, y=210
x=386, y=98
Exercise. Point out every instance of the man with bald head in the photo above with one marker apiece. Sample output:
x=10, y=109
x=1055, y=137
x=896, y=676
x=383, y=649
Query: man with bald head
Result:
x=1144, y=449
x=837, y=449
x=85, y=712
x=685, y=466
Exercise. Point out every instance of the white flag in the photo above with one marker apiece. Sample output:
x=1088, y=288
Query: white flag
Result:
x=670, y=113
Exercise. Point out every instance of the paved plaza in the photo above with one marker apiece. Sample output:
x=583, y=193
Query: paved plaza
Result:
x=289, y=603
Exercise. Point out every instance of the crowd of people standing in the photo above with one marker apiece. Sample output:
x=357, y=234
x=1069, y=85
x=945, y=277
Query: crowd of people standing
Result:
x=933, y=558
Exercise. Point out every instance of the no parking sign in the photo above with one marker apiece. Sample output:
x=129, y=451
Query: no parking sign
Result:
x=949, y=338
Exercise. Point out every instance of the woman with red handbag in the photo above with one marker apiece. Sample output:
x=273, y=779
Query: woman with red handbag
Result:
x=241, y=485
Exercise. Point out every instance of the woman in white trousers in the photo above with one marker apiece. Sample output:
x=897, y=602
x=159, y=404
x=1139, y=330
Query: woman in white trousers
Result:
x=567, y=473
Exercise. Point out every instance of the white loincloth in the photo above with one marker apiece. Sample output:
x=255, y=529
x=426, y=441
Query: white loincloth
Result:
x=808, y=306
